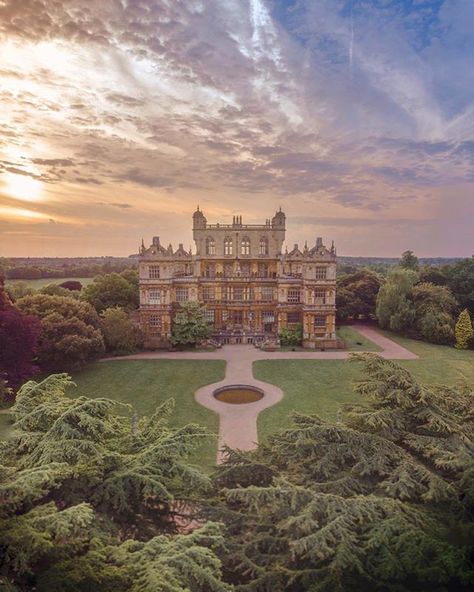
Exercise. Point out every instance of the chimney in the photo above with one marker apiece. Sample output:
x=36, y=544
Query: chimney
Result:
x=156, y=241
x=319, y=242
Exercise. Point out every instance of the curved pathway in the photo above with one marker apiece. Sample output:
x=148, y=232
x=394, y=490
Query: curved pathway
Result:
x=238, y=423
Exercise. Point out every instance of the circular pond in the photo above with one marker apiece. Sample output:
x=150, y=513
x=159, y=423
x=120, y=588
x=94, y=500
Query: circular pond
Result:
x=238, y=394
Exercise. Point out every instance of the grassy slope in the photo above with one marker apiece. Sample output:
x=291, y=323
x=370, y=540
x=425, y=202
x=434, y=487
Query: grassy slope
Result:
x=147, y=383
x=321, y=386
x=40, y=283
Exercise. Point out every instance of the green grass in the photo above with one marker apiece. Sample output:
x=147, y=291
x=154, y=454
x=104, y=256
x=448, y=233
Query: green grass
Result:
x=321, y=386
x=355, y=341
x=41, y=282
x=147, y=383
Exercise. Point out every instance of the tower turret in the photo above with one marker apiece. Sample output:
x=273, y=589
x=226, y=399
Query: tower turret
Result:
x=199, y=220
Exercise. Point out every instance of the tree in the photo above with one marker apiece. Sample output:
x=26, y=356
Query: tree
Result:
x=70, y=335
x=409, y=261
x=434, y=316
x=72, y=285
x=19, y=290
x=375, y=503
x=356, y=295
x=55, y=290
x=464, y=330
x=190, y=326
x=460, y=277
x=394, y=309
x=79, y=482
x=121, y=337
x=111, y=290
x=291, y=336
x=19, y=335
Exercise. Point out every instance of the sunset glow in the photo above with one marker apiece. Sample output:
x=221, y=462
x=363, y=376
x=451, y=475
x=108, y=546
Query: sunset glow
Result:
x=356, y=117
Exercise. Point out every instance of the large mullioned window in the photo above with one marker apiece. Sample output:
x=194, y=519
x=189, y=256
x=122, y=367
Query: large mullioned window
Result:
x=228, y=249
x=321, y=273
x=263, y=248
x=154, y=296
x=210, y=246
x=154, y=272
x=245, y=246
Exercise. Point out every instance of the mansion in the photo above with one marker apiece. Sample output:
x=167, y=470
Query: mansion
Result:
x=250, y=288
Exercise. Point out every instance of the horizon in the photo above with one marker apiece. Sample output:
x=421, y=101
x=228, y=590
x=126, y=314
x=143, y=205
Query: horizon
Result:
x=356, y=117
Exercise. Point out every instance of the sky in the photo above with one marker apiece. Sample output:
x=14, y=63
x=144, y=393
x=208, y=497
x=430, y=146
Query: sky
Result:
x=118, y=117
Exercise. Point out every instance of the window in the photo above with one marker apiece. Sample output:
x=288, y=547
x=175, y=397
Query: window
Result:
x=210, y=246
x=293, y=317
x=238, y=293
x=319, y=322
x=154, y=272
x=209, y=316
x=263, y=250
x=267, y=294
x=268, y=316
x=181, y=294
x=228, y=246
x=245, y=246
x=208, y=293
x=210, y=270
x=154, y=296
x=293, y=295
x=262, y=270
x=154, y=321
x=320, y=296
x=320, y=273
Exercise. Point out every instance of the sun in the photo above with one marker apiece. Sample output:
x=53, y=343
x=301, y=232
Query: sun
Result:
x=23, y=187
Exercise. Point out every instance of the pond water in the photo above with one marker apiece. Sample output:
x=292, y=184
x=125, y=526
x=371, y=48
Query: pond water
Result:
x=238, y=394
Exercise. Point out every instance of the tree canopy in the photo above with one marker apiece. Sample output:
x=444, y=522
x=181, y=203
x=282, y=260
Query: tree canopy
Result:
x=382, y=501
x=356, y=295
x=19, y=335
x=190, y=326
x=113, y=289
x=70, y=334
x=89, y=498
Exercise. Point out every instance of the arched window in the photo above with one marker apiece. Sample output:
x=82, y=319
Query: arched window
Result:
x=210, y=246
x=263, y=246
x=227, y=246
x=245, y=246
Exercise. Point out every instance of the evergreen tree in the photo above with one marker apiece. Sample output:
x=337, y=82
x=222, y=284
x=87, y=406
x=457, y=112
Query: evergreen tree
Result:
x=89, y=501
x=380, y=502
x=464, y=331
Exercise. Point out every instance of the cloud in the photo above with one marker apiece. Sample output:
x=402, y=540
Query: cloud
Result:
x=243, y=103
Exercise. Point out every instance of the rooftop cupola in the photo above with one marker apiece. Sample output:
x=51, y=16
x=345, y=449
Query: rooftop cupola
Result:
x=199, y=220
x=279, y=220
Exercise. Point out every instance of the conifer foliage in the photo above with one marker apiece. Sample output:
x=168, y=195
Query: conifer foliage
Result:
x=89, y=498
x=382, y=501
x=464, y=331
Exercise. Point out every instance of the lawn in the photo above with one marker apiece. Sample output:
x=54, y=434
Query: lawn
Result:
x=145, y=384
x=41, y=282
x=322, y=386
x=355, y=341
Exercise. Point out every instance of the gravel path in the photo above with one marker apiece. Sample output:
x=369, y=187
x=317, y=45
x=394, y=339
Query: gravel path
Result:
x=238, y=423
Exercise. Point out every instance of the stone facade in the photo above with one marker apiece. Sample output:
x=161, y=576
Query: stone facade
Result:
x=250, y=288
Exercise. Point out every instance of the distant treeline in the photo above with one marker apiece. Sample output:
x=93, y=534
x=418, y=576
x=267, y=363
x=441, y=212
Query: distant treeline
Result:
x=29, y=268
